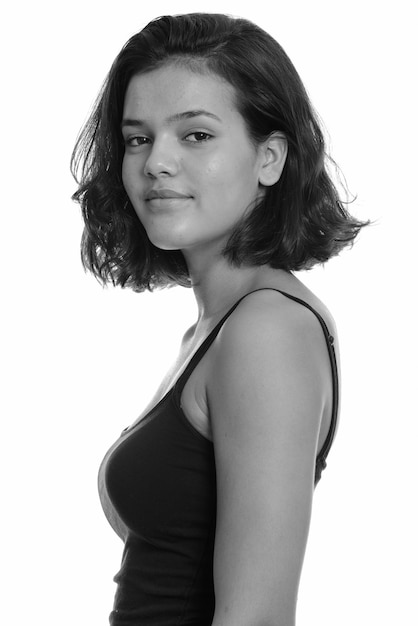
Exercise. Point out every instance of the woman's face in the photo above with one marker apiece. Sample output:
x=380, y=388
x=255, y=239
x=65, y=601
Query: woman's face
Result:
x=190, y=168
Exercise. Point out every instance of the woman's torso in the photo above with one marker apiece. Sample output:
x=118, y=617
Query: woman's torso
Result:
x=190, y=408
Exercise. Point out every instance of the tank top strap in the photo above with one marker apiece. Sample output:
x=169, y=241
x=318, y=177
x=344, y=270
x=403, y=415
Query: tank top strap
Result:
x=207, y=342
x=202, y=349
x=323, y=453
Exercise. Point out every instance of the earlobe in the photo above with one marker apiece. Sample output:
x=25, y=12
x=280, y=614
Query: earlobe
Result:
x=275, y=153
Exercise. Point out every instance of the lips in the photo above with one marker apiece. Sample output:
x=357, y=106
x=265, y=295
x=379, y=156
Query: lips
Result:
x=164, y=194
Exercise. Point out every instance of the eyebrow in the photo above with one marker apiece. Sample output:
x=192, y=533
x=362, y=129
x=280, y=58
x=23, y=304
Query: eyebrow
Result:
x=177, y=117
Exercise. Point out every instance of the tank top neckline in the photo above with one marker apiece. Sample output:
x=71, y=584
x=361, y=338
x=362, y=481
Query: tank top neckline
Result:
x=175, y=390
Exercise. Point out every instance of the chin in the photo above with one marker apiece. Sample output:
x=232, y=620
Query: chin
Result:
x=169, y=238
x=167, y=246
x=167, y=243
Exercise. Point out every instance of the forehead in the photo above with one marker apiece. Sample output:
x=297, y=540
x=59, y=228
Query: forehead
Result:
x=174, y=88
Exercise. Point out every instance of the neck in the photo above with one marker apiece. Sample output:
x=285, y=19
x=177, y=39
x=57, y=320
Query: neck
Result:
x=217, y=284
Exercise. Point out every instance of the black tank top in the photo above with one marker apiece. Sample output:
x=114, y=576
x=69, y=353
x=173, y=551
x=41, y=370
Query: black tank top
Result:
x=158, y=489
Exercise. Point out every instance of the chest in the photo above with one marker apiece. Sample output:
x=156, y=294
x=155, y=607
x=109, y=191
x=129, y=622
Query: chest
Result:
x=160, y=477
x=193, y=397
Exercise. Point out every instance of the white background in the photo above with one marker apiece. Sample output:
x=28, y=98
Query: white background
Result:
x=80, y=362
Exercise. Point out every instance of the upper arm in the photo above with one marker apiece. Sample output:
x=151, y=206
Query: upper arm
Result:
x=266, y=395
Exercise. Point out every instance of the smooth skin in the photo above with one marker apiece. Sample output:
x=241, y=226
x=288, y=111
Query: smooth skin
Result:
x=263, y=392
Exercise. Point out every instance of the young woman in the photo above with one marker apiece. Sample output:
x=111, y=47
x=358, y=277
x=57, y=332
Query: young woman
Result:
x=203, y=165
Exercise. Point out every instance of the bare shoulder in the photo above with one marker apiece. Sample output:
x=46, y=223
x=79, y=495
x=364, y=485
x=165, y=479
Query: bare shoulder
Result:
x=268, y=319
x=271, y=351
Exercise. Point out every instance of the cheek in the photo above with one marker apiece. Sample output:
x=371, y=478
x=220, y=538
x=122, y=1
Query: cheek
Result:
x=232, y=178
x=221, y=172
x=130, y=179
x=124, y=174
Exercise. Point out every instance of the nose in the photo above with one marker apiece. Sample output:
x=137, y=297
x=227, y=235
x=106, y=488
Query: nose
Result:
x=162, y=159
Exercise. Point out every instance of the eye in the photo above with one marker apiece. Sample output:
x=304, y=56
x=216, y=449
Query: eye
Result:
x=136, y=141
x=198, y=137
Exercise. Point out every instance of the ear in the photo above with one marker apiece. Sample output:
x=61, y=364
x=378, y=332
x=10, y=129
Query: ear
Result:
x=274, y=153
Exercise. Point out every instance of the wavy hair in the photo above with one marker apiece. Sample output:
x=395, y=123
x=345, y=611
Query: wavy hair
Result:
x=301, y=220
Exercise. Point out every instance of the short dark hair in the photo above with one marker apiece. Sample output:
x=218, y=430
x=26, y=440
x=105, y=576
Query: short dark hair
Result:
x=300, y=221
